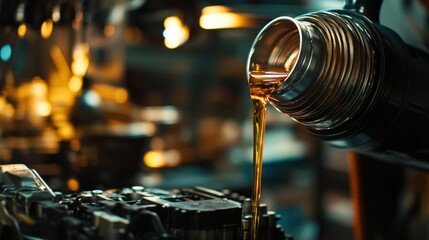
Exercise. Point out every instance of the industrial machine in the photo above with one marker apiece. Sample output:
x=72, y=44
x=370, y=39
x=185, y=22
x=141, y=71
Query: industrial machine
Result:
x=127, y=114
x=31, y=210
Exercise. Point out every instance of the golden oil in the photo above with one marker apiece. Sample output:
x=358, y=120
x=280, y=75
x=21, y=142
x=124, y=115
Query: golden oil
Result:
x=261, y=85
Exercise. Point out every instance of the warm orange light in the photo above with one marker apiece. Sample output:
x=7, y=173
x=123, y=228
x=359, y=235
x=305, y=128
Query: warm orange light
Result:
x=22, y=30
x=39, y=87
x=121, y=95
x=60, y=117
x=75, y=84
x=60, y=62
x=9, y=110
x=214, y=9
x=176, y=32
x=65, y=130
x=6, y=109
x=222, y=20
x=73, y=184
x=158, y=159
x=46, y=28
x=109, y=30
x=80, y=60
x=2, y=103
x=219, y=17
x=80, y=51
x=80, y=66
x=115, y=93
x=154, y=159
x=43, y=108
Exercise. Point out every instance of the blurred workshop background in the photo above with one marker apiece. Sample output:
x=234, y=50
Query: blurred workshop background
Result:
x=113, y=93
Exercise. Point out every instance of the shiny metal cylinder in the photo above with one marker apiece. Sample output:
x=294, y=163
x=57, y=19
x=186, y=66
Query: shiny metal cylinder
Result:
x=349, y=81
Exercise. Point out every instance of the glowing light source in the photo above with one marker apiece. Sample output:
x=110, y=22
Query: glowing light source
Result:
x=65, y=130
x=75, y=83
x=219, y=17
x=56, y=13
x=39, y=87
x=121, y=95
x=175, y=33
x=46, y=29
x=164, y=114
x=92, y=98
x=20, y=12
x=80, y=60
x=22, y=30
x=43, y=108
x=73, y=184
x=158, y=159
x=6, y=52
x=2, y=103
x=215, y=9
x=79, y=67
x=110, y=92
x=80, y=51
x=8, y=111
x=154, y=159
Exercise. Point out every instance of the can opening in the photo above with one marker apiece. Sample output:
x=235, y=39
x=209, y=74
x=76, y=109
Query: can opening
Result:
x=276, y=48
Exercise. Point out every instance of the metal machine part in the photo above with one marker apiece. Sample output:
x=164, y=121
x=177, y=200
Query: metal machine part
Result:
x=351, y=82
x=30, y=210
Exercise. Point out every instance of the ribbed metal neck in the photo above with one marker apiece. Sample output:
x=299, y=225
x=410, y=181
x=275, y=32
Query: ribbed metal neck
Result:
x=333, y=62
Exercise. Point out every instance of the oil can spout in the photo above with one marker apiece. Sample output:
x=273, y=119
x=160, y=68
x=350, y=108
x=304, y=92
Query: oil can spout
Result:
x=348, y=80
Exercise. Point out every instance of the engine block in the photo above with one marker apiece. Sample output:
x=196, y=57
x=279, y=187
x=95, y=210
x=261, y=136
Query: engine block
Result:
x=29, y=209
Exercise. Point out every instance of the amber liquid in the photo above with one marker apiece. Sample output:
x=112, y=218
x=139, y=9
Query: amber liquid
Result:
x=261, y=85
